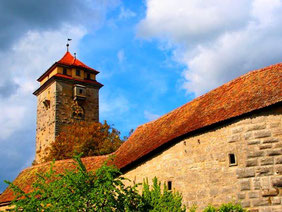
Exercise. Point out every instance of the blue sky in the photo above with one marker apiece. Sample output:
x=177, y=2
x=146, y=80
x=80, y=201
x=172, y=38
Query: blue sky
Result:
x=153, y=56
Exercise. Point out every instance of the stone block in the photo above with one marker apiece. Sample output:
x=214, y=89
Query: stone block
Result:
x=237, y=130
x=274, y=152
x=233, y=138
x=245, y=172
x=278, y=160
x=277, y=132
x=278, y=145
x=254, y=154
x=258, y=119
x=270, y=192
x=262, y=134
x=253, y=194
x=276, y=181
x=276, y=200
x=252, y=162
x=241, y=195
x=265, y=183
x=213, y=191
x=274, y=124
x=270, y=140
x=265, y=146
x=267, y=161
x=264, y=171
x=253, y=210
x=278, y=169
x=245, y=203
x=276, y=209
x=253, y=142
x=248, y=135
x=258, y=126
x=245, y=185
x=256, y=183
x=265, y=209
x=259, y=202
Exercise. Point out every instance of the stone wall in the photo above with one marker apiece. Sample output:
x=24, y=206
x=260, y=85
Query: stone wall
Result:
x=60, y=112
x=45, y=123
x=199, y=166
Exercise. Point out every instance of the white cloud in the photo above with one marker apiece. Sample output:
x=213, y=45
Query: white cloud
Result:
x=150, y=116
x=216, y=40
x=126, y=13
x=24, y=63
x=121, y=56
x=11, y=118
x=113, y=103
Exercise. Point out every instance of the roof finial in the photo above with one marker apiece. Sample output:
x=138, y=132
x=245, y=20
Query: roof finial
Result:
x=74, y=55
x=69, y=39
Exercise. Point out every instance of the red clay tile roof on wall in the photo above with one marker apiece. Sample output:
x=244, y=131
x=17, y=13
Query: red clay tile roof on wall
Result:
x=252, y=91
x=27, y=176
x=68, y=60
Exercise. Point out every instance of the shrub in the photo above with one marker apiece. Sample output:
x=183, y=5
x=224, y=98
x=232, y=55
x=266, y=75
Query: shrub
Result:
x=104, y=190
x=228, y=207
x=157, y=199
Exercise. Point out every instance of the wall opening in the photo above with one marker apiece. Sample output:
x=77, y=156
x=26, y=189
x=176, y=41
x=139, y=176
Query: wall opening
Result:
x=77, y=72
x=232, y=160
x=169, y=185
x=64, y=71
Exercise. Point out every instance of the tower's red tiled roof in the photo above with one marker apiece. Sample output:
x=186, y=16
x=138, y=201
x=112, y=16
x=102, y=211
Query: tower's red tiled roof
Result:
x=252, y=91
x=68, y=60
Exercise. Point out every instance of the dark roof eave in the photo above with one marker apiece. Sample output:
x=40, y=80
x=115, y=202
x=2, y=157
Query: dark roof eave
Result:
x=64, y=65
x=56, y=77
x=47, y=72
x=81, y=67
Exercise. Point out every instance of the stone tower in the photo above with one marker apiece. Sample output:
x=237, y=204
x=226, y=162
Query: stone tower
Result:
x=68, y=93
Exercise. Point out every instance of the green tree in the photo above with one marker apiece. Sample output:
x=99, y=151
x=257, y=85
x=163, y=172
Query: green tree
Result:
x=104, y=190
x=90, y=138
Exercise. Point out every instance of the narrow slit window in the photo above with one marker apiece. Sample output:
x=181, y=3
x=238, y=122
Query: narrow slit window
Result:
x=169, y=185
x=65, y=71
x=232, y=160
x=77, y=72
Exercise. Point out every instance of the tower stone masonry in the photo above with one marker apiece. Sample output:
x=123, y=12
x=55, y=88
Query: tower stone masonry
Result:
x=68, y=93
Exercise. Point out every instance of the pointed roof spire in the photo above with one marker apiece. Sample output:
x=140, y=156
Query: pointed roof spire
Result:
x=68, y=60
x=69, y=39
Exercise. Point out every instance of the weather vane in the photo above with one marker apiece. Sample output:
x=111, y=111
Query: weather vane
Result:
x=69, y=39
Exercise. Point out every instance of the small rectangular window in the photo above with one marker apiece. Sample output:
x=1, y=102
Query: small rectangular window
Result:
x=232, y=160
x=169, y=185
x=88, y=76
x=65, y=71
x=77, y=72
